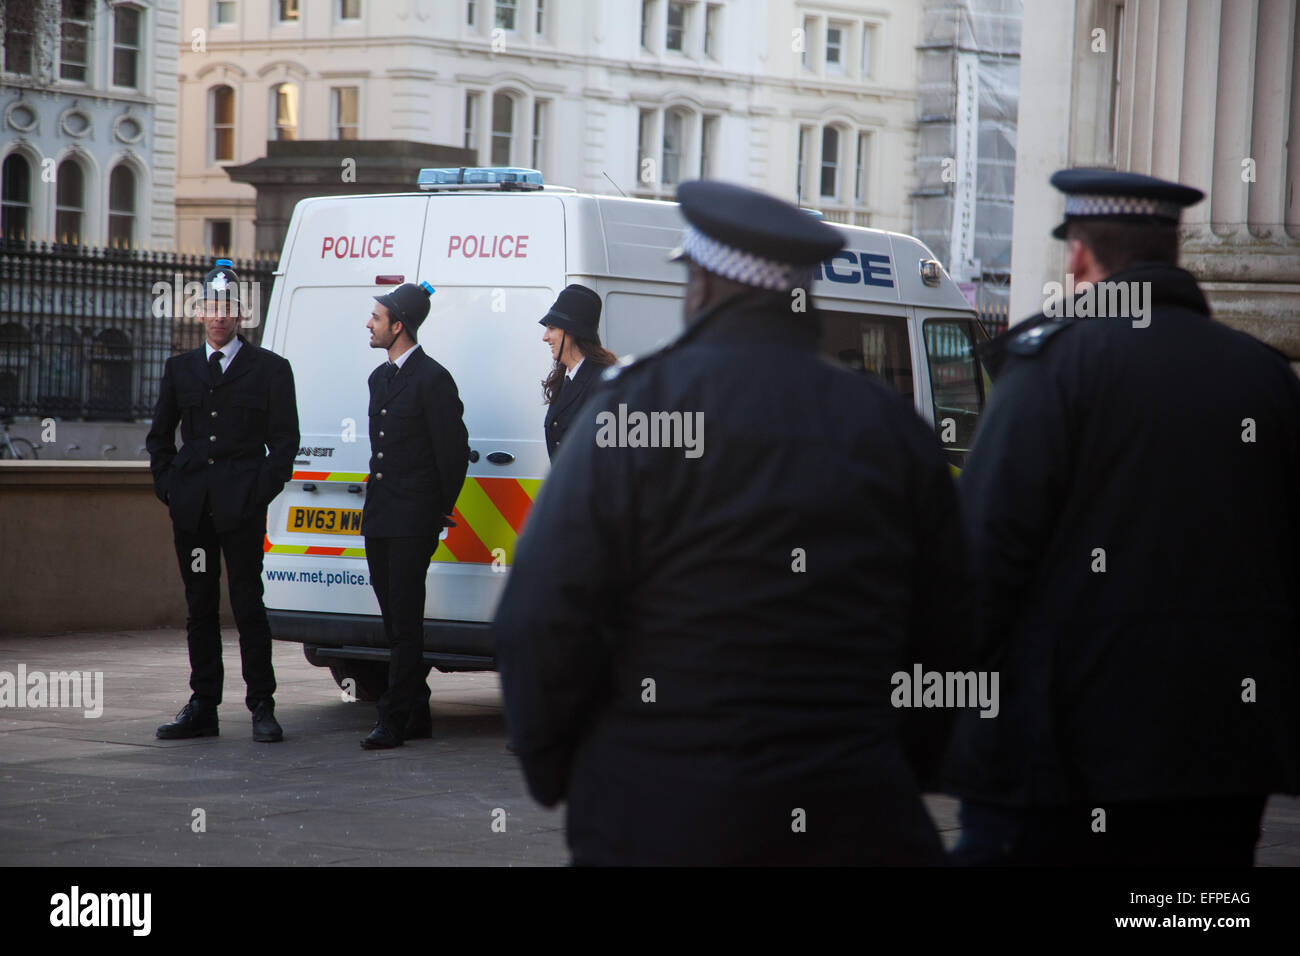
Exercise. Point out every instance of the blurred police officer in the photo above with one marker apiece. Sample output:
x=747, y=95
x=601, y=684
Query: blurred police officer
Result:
x=1132, y=511
x=419, y=453
x=697, y=641
x=239, y=433
x=571, y=332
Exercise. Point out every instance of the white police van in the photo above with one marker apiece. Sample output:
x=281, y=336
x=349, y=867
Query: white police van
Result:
x=498, y=246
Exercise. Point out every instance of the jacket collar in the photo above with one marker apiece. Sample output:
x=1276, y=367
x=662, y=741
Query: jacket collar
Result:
x=245, y=359
x=572, y=390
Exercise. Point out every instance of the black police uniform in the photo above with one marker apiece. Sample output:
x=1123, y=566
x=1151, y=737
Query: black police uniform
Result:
x=562, y=412
x=576, y=311
x=419, y=454
x=239, y=435
x=769, y=588
x=1127, y=686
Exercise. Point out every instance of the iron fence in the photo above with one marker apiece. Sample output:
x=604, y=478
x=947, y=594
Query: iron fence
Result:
x=84, y=332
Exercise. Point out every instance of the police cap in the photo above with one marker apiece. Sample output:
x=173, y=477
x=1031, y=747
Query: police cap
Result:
x=408, y=304
x=751, y=237
x=1104, y=194
x=221, y=282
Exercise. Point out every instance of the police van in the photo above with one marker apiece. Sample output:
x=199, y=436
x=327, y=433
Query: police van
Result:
x=498, y=246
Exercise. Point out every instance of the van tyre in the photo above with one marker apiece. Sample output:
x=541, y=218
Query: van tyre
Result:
x=369, y=678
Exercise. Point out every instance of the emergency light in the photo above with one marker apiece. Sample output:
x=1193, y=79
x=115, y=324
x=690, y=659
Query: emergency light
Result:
x=476, y=177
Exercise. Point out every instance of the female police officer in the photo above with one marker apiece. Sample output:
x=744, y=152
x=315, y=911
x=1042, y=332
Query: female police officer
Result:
x=579, y=357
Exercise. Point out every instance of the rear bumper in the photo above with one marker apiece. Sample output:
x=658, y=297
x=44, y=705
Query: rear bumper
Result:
x=448, y=645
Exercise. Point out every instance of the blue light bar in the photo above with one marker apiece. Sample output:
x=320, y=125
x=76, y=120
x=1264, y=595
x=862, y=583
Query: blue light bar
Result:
x=478, y=176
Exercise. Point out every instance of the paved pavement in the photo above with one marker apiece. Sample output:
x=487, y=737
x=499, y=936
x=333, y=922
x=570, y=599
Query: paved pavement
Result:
x=80, y=791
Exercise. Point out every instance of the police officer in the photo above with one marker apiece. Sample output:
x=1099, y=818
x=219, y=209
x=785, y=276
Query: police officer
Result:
x=571, y=332
x=419, y=453
x=239, y=433
x=697, y=641
x=1132, y=511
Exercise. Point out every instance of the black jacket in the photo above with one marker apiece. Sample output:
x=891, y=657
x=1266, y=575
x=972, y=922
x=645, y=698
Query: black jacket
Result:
x=768, y=587
x=562, y=411
x=238, y=437
x=419, y=449
x=1107, y=441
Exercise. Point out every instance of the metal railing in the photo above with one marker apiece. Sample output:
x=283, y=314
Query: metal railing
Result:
x=84, y=332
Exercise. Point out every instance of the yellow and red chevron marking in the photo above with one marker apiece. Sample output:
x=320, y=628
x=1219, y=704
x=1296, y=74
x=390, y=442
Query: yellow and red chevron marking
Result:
x=489, y=513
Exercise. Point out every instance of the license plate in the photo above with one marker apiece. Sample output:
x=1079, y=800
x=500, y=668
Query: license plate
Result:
x=324, y=520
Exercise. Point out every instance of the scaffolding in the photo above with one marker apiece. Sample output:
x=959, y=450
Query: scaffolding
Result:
x=968, y=93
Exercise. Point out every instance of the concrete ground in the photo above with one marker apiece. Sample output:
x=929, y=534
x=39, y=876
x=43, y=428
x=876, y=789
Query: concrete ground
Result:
x=79, y=791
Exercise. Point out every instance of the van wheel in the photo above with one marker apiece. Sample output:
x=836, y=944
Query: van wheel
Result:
x=369, y=679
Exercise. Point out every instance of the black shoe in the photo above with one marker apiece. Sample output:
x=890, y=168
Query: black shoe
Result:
x=265, y=727
x=381, y=738
x=194, y=720
x=419, y=727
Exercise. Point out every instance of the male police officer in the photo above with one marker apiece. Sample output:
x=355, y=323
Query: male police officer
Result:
x=419, y=453
x=1134, y=524
x=239, y=433
x=697, y=640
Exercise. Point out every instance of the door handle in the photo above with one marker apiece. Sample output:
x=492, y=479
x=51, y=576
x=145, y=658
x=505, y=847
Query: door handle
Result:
x=501, y=458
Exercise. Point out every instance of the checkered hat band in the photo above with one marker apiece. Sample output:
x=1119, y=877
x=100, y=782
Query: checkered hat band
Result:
x=1082, y=204
x=743, y=267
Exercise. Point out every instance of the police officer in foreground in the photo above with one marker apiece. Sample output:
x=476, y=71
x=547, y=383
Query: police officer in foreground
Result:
x=696, y=642
x=419, y=453
x=1135, y=532
x=238, y=415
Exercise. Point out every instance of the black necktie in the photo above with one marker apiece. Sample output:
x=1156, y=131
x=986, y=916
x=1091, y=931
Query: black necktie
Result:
x=214, y=365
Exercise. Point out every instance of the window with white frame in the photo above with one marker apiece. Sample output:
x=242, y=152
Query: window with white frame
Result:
x=647, y=20
x=69, y=202
x=829, y=186
x=540, y=109
x=675, y=36
x=284, y=112
x=221, y=123
x=712, y=30
x=673, y=147
x=470, y=10
x=349, y=9
x=507, y=13
x=836, y=33
x=223, y=12
x=121, y=206
x=287, y=11
x=539, y=19
x=503, y=128
x=709, y=146
x=19, y=44
x=74, y=39
x=471, y=120
x=346, y=109
x=16, y=190
x=126, y=47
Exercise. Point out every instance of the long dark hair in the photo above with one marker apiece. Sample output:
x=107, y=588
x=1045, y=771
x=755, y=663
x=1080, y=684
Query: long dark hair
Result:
x=592, y=351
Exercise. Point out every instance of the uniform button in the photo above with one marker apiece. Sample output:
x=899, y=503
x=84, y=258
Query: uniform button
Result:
x=214, y=414
x=212, y=438
x=381, y=434
x=383, y=411
x=211, y=462
x=380, y=455
x=378, y=475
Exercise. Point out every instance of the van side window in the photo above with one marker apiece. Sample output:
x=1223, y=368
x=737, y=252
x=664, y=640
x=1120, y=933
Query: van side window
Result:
x=958, y=384
x=870, y=343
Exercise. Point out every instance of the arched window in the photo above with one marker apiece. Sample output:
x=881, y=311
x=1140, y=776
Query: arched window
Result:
x=221, y=116
x=830, y=169
x=69, y=202
x=110, y=374
x=15, y=355
x=121, y=206
x=674, y=146
x=16, y=190
x=284, y=111
x=503, y=128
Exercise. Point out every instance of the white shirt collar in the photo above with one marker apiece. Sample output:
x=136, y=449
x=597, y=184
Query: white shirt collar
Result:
x=227, y=352
x=405, y=355
x=574, y=371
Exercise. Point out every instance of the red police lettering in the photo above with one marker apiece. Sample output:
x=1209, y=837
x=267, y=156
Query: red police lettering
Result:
x=358, y=247
x=488, y=247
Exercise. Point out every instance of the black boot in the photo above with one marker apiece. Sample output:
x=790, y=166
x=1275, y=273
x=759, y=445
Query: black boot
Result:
x=381, y=738
x=194, y=720
x=265, y=727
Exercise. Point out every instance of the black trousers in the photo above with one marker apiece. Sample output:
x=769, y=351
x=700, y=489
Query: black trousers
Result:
x=1206, y=831
x=398, y=567
x=243, y=550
